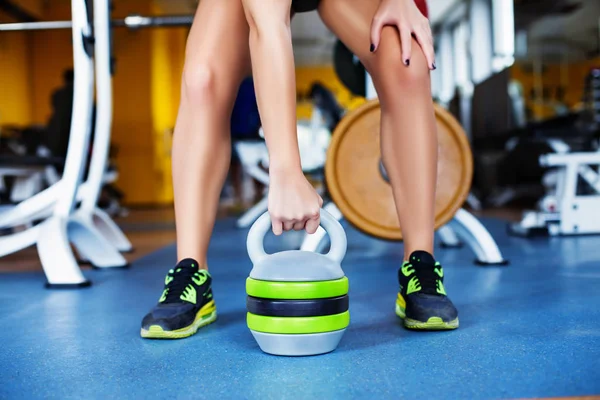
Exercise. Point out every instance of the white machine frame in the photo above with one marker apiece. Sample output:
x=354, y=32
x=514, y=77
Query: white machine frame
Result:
x=563, y=211
x=95, y=236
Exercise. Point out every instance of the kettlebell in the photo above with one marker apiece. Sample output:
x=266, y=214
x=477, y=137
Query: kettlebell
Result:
x=297, y=301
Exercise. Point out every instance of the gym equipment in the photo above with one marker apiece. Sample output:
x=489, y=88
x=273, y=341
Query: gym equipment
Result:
x=92, y=232
x=565, y=211
x=132, y=22
x=358, y=185
x=297, y=300
x=30, y=173
x=570, y=206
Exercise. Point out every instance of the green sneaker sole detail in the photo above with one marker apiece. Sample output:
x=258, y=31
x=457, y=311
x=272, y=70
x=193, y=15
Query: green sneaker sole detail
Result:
x=432, y=324
x=156, y=332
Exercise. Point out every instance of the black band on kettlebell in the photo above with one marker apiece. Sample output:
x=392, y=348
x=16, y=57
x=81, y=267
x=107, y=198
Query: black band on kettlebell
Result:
x=297, y=308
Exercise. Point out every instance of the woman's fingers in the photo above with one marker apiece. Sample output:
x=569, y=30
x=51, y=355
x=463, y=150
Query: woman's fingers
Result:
x=406, y=43
x=426, y=44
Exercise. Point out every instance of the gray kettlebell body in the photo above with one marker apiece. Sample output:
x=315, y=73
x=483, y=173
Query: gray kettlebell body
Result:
x=281, y=278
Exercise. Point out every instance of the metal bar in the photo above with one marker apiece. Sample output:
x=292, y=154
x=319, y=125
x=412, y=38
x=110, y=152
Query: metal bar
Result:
x=139, y=21
x=36, y=26
x=131, y=22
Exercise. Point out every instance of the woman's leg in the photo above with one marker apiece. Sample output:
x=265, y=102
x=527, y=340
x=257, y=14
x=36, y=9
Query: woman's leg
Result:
x=409, y=149
x=408, y=130
x=217, y=59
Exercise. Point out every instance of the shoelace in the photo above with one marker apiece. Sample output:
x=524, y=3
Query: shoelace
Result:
x=427, y=278
x=180, y=281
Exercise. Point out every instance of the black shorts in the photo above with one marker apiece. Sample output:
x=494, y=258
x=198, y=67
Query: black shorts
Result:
x=304, y=5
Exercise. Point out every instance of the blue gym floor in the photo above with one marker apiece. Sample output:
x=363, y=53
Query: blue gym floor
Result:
x=531, y=329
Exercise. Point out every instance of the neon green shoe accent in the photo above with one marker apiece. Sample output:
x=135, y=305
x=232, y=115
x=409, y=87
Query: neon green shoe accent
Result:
x=189, y=294
x=400, y=306
x=439, y=272
x=400, y=301
x=296, y=325
x=413, y=285
x=199, y=278
x=432, y=324
x=205, y=316
x=406, y=269
x=163, y=297
x=440, y=287
x=297, y=290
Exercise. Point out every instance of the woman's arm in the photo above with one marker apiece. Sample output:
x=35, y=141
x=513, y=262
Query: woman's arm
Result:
x=293, y=202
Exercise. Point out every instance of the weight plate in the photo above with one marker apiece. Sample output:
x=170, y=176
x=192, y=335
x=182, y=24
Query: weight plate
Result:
x=297, y=308
x=292, y=325
x=297, y=290
x=358, y=186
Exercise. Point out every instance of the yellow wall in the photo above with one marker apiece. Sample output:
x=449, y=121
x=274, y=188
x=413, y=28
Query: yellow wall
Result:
x=132, y=120
x=167, y=63
x=146, y=89
x=146, y=98
x=570, y=77
x=51, y=55
x=15, y=100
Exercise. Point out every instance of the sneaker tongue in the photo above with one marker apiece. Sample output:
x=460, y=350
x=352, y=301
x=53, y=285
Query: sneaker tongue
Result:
x=421, y=257
x=188, y=263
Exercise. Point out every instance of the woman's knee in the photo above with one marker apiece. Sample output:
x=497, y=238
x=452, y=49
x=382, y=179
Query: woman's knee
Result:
x=199, y=83
x=388, y=69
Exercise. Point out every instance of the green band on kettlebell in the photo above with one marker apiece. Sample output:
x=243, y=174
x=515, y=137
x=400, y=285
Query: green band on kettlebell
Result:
x=297, y=290
x=297, y=325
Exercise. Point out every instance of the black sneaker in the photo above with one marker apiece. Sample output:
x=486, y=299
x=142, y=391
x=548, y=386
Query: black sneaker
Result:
x=422, y=302
x=186, y=304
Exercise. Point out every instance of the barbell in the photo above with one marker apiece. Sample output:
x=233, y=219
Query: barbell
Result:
x=132, y=22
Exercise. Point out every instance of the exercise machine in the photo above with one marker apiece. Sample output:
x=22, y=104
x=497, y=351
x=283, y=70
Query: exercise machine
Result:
x=95, y=236
x=572, y=201
x=54, y=235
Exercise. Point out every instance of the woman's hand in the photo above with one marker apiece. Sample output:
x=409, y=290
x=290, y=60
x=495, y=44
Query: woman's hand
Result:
x=406, y=16
x=293, y=202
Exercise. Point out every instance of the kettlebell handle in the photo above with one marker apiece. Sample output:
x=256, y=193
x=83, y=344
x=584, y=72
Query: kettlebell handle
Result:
x=259, y=229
